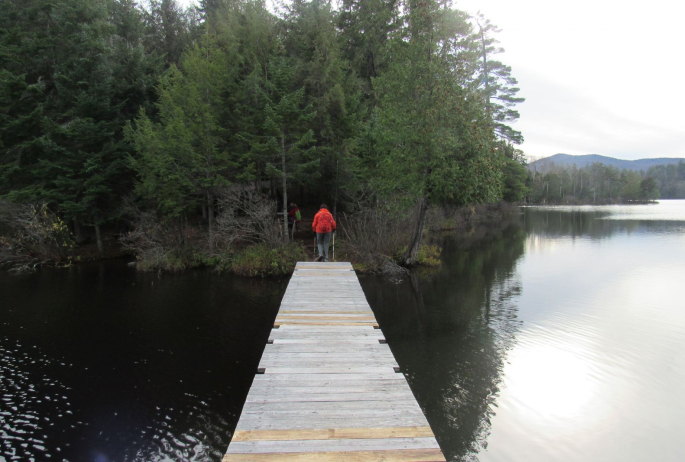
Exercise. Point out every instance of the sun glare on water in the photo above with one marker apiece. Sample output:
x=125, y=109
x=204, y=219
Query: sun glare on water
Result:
x=549, y=382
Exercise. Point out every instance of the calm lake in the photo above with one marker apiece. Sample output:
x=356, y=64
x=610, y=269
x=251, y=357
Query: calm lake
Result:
x=557, y=336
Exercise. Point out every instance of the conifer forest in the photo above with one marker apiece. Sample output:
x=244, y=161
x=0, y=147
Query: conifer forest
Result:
x=185, y=131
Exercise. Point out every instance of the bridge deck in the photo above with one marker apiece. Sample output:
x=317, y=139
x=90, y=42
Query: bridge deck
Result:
x=328, y=388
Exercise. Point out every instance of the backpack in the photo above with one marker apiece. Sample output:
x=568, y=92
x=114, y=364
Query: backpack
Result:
x=326, y=221
x=298, y=216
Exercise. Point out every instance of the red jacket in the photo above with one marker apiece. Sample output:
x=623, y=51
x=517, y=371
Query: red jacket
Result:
x=292, y=213
x=323, y=222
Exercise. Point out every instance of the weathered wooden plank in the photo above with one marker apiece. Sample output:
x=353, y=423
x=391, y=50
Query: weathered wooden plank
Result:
x=324, y=363
x=319, y=348
x=335, y=355
x=324, y=323
x=325, y=265
x=332, y=334
x=332, y=348
x=265, y=389
x=350, y=350
x=318, y=271
x=319, y=358
x=320, y=268
x=331, y=445
x=402, y=455
x=254, y=422
x=290, y=361
x=296, y=328
x=323, y=341
x=306, y=396
x=338, y=309
x=333, y=433
x=317, y=316
x=355, y=359
x=331, y=377
x=367, y=312
x=335, y=369
x=349, y=317
x=321, y=304
x=323, y=407
x=304, y=416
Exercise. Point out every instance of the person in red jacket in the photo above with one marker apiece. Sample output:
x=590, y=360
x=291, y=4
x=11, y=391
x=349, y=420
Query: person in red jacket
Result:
x=323, y=225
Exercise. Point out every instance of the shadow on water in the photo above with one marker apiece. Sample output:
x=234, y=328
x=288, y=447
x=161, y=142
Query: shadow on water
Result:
x=102, y=363
x=450, y=330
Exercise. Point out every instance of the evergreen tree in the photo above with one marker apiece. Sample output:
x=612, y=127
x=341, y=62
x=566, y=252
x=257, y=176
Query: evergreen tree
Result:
x=248, y=33
x=515, y=175
x=366, y=27
x=289, y=140
x=183, y=159
x=433, y=134
x=498, y=85
x=167, y=30
x=75, y=75
x=329, y=87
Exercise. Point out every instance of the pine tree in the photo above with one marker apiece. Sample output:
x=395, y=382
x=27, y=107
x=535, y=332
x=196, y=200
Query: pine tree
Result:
x=498, y=85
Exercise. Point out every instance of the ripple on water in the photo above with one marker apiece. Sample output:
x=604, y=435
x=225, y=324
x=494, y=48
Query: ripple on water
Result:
x=189, y=434
x=27, y=385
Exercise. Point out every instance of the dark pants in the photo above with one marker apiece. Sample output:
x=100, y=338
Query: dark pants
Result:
x=322, y=242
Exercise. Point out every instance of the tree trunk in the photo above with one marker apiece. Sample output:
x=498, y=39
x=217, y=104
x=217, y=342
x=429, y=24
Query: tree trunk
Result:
x=335, y=200
x=285, y=191
x=78, y=231
x=486, y=78
x=412, y=252
x=210, y=220
x=98, y=236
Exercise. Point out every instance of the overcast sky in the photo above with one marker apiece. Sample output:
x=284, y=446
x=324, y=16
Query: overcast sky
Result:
x=599, y=76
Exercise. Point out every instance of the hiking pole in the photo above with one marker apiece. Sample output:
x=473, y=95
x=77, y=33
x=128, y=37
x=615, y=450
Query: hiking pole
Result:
x=333, y=245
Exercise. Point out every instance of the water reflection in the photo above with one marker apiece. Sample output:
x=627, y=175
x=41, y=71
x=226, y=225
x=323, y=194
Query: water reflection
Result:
x=556, y=338
x=450, y=331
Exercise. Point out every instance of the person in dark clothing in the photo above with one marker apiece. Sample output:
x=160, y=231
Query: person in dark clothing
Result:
x=294, y=215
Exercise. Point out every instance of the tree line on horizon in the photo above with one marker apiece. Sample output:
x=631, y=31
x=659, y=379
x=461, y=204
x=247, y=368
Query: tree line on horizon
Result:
x=601, y=183
x=393, y=103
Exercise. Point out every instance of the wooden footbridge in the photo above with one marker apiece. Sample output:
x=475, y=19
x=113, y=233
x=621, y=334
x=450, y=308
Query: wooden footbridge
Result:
x=328, y=387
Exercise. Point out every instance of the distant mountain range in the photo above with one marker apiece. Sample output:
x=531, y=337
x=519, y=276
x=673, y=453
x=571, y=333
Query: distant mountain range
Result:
x=589, y=159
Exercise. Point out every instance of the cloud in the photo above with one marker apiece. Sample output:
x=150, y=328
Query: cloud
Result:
x=557, y=118
x=599, y=77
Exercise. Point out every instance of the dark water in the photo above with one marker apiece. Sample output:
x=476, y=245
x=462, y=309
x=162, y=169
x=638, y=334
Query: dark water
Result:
x=558, y=336
x=100, y=363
